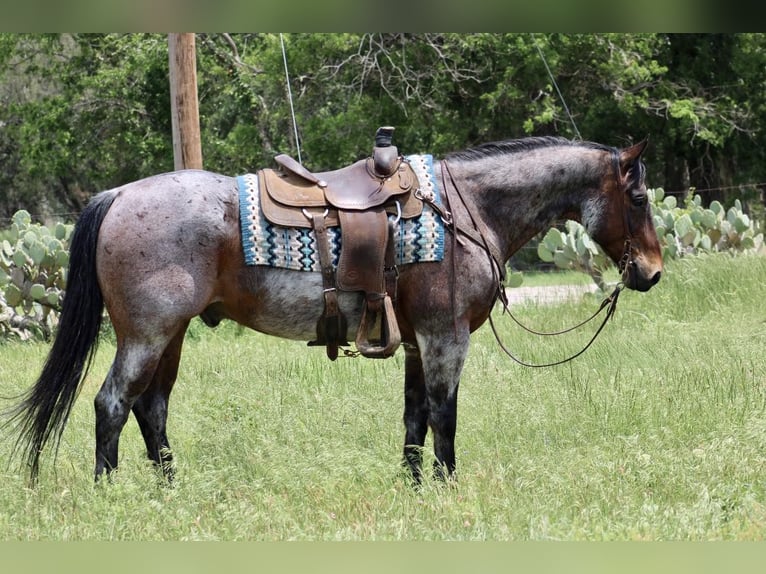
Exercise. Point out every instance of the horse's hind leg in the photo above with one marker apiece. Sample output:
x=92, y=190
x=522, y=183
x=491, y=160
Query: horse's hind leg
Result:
x=415, y=412
x=130, y=375
x=151, y=408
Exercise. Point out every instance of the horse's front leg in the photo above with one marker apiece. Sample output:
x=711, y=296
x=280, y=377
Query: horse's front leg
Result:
x=443, y=358
x=415, y=412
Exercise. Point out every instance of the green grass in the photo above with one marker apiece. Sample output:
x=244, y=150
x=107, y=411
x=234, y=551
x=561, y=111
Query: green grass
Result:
x=658, y=432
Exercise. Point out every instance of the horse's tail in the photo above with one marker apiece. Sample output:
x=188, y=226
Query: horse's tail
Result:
x=44, y=409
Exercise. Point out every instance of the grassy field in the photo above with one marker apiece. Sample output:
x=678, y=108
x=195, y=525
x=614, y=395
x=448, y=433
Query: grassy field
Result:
x=658, y=432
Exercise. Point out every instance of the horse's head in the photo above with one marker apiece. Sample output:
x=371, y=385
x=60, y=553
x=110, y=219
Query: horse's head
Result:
x=625, y=229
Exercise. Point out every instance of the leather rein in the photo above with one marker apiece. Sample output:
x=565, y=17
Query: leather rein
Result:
x=475, y=234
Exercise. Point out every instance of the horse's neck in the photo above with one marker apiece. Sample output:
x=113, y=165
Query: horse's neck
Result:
x=518, y=196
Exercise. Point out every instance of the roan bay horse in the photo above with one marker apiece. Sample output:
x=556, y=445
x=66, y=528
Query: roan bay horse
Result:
x=163, y=250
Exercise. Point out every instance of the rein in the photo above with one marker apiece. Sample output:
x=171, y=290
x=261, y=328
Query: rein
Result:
x=498, y=271
x=610, y=303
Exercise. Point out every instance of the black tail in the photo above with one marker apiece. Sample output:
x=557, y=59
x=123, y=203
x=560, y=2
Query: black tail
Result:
x=44, y=409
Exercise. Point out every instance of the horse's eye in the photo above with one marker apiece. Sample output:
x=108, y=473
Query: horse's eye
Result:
x=638, y=198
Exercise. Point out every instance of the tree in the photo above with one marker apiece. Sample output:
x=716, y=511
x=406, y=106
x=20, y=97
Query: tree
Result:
x=82, y=112
x=96, y=116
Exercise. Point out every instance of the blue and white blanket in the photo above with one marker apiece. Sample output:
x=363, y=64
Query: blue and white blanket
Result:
x=416, y=240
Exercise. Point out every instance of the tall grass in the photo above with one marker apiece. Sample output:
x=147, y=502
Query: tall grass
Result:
x=658, y=432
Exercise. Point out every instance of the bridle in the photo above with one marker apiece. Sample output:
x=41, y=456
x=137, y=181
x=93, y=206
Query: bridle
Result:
x=498, y=267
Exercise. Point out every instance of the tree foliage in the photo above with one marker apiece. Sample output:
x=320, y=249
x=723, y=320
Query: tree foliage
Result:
x=84, y=112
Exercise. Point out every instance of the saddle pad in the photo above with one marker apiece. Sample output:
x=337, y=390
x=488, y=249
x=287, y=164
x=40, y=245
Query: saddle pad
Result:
x=416, y=240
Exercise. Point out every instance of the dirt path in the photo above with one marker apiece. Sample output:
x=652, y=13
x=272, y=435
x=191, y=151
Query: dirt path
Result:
x=548, y=294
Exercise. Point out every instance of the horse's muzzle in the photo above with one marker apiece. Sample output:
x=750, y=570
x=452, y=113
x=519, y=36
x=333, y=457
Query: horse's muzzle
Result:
x=639, y=281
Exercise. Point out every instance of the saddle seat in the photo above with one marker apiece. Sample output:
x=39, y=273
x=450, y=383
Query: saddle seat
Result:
x=358, y=198
x=356, y=187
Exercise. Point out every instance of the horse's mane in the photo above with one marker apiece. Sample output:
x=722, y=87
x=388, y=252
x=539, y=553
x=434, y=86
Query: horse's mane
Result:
x=491, y=149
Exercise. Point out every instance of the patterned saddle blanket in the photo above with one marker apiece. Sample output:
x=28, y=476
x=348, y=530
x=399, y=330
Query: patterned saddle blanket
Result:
x=416, y=239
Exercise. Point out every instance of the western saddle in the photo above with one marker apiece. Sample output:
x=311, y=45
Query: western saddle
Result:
x=358, y=198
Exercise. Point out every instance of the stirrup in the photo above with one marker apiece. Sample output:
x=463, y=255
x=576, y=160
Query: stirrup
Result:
x=331, y=327
x=390, y=337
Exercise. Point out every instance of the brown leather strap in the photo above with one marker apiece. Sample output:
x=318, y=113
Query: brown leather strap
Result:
x=474, y=232
x=323, y=246
x=390, y=270
x=458, y=229
x=362, y=257
x=331, y=328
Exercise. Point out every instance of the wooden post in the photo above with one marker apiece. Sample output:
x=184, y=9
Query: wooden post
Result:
x=184, y=109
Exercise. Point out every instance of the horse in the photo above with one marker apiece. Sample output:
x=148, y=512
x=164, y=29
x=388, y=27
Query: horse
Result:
x=160, y=251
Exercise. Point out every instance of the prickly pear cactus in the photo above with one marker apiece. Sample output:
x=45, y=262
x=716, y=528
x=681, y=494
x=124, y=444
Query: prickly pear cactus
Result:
x=33, y=269
x=574, y=249
x=692, y=228
x=682, y=230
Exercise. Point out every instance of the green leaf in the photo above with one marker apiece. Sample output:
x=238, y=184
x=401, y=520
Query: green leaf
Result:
x=553, y=239
x=741, y=223
x=37, y=292
x=37, y=253
x=22, y=218
x=19, y=258
x=60, y=231
x=544, y=253
x=13, y=295
x=589, y=244
x=54, y=245
x=562, y=261
x=514, y=279
x=62, y=258
x=709, y=219
x=582, y=250
x=696, y=216
x=570, y=251
x=671, y=251
x=30, y=238
x=52, y=298
x=683, y=225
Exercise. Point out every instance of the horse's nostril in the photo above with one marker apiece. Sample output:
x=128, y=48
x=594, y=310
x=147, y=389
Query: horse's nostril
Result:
x=656, y=277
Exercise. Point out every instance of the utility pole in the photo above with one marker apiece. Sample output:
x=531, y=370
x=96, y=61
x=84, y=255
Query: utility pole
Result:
x=184, y=108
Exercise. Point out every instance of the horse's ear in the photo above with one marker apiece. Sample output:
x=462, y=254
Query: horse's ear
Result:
x=630, y=154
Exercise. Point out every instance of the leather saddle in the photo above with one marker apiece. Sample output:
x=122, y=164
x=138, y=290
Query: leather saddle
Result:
x=358, y=198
